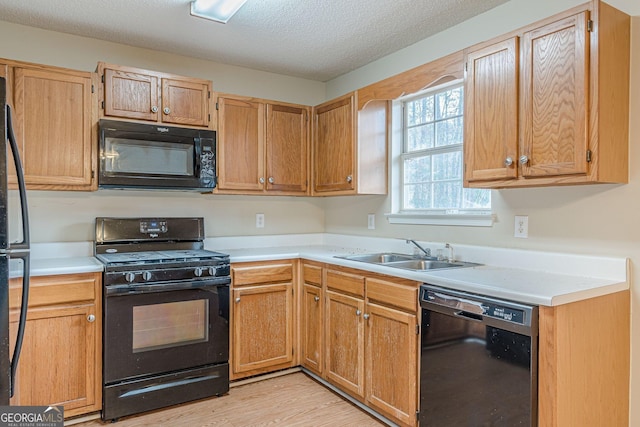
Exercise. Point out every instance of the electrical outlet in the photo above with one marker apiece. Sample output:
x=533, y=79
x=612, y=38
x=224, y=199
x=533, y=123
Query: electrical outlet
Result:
x=371, y=221
x=521, y=226
x=259, y=220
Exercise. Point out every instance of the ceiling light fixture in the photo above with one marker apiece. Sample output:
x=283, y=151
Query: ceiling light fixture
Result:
x=216, y=10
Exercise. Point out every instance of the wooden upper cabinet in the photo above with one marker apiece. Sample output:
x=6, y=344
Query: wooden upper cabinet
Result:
x=130, y=95
x=240, y=145
x=335, y=146
x=262, y=146
x=137, y=94
x=54, y=112
x=491, y=112
x=572, y=104
x=287, y=142
x=350, y=147
x=554, y=98
x=185, y=102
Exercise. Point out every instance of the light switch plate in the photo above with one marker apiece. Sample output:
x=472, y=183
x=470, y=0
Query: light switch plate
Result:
x=371, y=221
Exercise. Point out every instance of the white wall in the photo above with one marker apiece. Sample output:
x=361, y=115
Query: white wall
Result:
x=81, y=53
x=598, y=219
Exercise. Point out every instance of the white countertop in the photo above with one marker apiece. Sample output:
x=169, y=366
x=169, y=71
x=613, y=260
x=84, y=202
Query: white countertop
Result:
x=533, y=277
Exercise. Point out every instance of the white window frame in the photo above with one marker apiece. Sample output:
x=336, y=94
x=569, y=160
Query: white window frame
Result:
x=454, y=217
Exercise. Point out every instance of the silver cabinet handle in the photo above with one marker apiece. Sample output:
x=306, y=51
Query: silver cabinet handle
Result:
x=524, y=160
x=316, y=299
x=237, y=300
x=166, y=110
x=261, y=180
x=91, y=318
x=366, y=317
x=271, y=180
x=154, y=109
x=358, y=312
x=508, y=161
x=349, y=178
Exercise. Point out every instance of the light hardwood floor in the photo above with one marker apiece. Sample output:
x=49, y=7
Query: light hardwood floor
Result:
x=290, y=400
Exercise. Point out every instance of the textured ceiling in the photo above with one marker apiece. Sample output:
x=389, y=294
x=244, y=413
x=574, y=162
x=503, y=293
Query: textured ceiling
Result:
x=313, y=39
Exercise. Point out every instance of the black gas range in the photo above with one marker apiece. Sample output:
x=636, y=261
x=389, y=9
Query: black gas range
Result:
x=165, y=316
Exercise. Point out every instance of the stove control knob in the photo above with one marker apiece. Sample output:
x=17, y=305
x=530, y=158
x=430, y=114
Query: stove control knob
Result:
x=212, y=271
x=198, y=271
x=130, y=277
x=146, y=276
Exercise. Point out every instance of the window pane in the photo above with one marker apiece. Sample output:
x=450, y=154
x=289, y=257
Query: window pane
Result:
x=417, y=196
x=420, y=137
x=447, y=194
x=447, y=166
x=420, y=111
x=417, y=169
x=475, y=198
x=449, y=132
x=449, y=103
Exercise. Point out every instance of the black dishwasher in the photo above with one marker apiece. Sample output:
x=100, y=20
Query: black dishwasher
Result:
x=479, y=360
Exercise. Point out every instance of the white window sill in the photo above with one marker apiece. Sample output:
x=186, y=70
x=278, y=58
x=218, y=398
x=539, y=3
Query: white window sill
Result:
x=469, y=220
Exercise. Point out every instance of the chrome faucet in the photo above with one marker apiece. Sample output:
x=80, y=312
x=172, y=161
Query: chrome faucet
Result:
x=427, y=252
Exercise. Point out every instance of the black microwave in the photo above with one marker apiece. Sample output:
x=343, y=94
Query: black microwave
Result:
x=145, y=156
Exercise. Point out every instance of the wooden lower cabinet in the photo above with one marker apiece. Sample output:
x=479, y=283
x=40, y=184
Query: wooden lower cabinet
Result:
x=312, y=319
x=61, y=358
x=392, y=362
x=262, y=313
x=345, y=342
x=372, y=336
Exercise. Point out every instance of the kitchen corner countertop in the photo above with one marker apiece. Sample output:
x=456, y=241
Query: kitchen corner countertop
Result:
x=517, y=284
x=532, y=277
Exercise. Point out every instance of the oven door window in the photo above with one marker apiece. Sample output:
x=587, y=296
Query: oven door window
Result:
x=130, y=156
x=160, y=326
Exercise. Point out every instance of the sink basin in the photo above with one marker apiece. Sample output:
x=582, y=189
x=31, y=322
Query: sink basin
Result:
x=380, y=258
x=418, y=264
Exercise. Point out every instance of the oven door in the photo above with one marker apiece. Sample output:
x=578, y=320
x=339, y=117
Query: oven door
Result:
x=164, y=328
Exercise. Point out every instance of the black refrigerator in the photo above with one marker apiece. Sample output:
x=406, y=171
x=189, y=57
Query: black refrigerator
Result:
x=14, y=253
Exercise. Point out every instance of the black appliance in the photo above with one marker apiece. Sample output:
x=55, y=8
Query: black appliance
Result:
x=16, y=251
x=145, y=156
x=165, y=314
x=479, y=360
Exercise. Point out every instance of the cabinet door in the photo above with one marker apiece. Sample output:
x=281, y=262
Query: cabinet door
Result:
x=53, y=126
x=57, y=362
x=345, y=342
x=491, y=112
x=312, y=327
x=554, y=98
x=286, y=150
x=392, y=362
x=240, y=145
x=334, y=146
x=131, y=95
x=185, y=102
x=262, y=326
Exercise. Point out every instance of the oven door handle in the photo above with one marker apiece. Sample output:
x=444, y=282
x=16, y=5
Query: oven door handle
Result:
x=146, y=288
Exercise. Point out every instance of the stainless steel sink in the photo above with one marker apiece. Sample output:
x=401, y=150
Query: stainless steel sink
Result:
x=431, y=264
x=380, y=258
x=406, y=261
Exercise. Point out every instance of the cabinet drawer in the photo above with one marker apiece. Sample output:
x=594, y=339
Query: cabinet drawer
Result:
x=51, y=290
x=393, y=294
x=254, y=274
x=346, y=282
x=312, y=274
